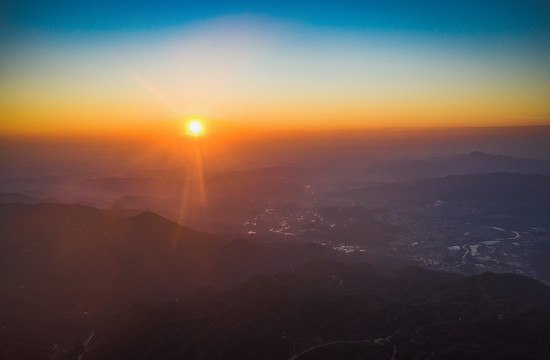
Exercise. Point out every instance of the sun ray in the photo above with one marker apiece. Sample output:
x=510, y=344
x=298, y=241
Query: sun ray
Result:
x=154, y=91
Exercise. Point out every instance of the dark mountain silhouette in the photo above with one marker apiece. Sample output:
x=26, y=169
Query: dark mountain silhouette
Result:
x=250, y=182
x=478, y=162
x=65, y=267
x=117, y=185
x=405, y=169
x=328, y=310
x=277, y=172
x=463, y=164
x=503, y=188
x=10, y=198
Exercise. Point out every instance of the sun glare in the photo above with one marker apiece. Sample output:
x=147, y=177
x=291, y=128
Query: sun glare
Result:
x=195, y=127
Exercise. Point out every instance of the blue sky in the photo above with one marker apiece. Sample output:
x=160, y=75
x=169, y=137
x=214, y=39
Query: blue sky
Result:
x=466, y=17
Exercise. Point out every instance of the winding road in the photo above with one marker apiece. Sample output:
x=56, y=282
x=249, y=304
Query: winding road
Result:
x=386, y=339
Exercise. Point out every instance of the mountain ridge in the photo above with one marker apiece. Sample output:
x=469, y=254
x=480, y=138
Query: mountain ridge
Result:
x=365, y=314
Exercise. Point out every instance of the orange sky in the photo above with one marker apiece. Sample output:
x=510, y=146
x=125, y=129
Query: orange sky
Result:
x=239, y=76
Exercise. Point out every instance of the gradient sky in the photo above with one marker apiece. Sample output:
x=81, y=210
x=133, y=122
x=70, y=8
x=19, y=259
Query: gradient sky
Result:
x=71, y=67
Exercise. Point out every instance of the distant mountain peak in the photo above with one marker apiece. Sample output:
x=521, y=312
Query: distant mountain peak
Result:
x=478, y=153
x=147, y=215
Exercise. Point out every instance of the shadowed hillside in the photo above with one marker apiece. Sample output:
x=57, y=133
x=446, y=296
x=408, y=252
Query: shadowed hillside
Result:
x=328, y=310
x=64, y=267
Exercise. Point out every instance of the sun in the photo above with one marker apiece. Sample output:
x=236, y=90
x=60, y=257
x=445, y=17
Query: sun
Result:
x=195, y=127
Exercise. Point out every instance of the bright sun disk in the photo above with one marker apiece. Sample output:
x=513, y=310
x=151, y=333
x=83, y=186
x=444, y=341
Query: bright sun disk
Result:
x=195, y=126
